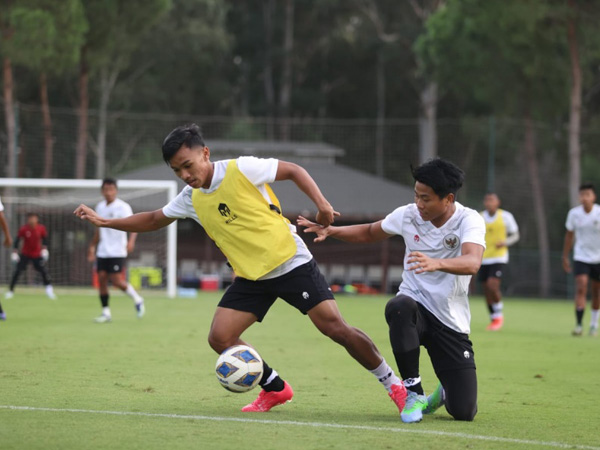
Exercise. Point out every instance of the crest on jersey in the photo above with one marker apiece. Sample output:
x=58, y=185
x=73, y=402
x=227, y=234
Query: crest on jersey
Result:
x=451, y=241
x=417, y=238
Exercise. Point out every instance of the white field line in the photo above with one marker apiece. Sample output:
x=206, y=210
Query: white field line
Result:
x=411, y=430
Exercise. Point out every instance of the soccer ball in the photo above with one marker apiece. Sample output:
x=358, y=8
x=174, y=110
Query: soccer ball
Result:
x=239, y=368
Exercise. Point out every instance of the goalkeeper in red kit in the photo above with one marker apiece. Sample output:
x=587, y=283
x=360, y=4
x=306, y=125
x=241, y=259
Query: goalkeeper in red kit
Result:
x=34, y=250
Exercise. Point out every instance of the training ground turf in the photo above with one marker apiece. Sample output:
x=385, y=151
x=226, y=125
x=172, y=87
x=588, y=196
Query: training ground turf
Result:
x=68, y=383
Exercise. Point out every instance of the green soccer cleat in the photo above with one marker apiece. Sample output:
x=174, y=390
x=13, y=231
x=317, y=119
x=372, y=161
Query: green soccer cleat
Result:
x=413, y=410
x=435, y=400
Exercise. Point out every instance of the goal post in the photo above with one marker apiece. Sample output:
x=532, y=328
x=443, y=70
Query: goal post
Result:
x=54, y=201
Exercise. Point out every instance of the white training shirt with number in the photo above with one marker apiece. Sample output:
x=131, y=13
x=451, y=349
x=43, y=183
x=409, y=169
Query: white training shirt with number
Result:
x=258, y=171
x=445, y=295
x=586, y=228
x=113, y=243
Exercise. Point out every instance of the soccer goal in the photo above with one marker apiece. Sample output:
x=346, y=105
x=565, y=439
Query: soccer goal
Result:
x=153, y=263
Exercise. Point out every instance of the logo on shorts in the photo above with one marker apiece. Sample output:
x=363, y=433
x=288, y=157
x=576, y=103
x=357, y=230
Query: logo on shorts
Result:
x=451, y=241
x=305, y=295
x=498, y=273
x=226, y=213
x=467, y=354
x=417, y=238
x=116, y=268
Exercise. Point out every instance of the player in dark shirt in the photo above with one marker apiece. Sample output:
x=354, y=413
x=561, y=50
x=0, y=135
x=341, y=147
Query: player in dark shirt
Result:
x=34, y=250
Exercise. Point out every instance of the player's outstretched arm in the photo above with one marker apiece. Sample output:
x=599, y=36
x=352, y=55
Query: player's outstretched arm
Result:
x=290, y=171
x=5, y=230
x=466, y=264
x=567, y=246
x=367, y=232
x=137, y=223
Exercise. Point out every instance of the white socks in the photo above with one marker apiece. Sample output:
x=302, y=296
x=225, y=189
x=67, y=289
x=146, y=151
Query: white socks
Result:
x=106, y=311
x=594, y=318
x=133, y=294
x=385, y=375
x=497, y=310
x=272, y=377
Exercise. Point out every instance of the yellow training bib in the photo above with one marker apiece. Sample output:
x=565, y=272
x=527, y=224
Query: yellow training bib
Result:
x=254, y=236
x=495, y=232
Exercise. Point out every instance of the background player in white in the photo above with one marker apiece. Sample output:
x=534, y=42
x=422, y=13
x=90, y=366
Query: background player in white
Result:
x=444, y=246
x=110, y=249
x=583, y=228
x=501, y=231
x=7, y=243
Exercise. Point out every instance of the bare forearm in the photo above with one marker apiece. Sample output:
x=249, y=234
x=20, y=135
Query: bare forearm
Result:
x=306, y=184
x=356, y=233
x=568, y=245
x=137, y=223
x=4, y=224
x=461, y=265
x=132, y=238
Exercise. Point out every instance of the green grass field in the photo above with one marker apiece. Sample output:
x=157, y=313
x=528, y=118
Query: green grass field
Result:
x=538, y=386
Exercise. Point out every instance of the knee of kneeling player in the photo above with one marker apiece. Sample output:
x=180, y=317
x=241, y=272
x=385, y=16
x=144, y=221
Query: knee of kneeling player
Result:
x=402, y=306
x=464, y=411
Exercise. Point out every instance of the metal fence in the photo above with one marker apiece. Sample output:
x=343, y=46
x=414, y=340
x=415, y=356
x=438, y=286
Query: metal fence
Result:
x=490, y=151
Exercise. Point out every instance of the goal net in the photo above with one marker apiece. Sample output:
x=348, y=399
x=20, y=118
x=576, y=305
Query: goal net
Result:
x=152, y=265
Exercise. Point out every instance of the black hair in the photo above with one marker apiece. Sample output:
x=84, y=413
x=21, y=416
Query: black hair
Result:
x=440, y=175
x=188, y=136
x=109, y=182
x=32, y=214
x=586, y=186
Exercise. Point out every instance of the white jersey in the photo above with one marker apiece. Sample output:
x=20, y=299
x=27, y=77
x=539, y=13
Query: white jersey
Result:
x=445, y=295
x=259, y=172
x=1, y=206
x=113, y=243
x=586, y=227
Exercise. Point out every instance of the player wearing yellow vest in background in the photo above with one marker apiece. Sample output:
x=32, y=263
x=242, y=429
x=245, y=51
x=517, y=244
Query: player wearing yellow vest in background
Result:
x=501, y=231
x=234, y=203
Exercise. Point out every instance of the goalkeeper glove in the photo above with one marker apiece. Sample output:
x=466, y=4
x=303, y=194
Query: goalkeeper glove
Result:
x=45, y=254
x=15, y=257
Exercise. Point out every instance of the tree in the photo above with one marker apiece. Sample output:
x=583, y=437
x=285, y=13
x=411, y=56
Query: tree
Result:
x=469, y=42
x=116, y=29
x=7, y=31
x=46, y=40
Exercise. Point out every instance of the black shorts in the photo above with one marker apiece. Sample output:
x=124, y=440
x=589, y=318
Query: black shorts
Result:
x=448, y=349
x=490, y=271
x=591, y=270
x=110, y=265
x=303, y=288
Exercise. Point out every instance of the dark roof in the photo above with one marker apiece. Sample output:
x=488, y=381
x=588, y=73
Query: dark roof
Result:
x=356, y=195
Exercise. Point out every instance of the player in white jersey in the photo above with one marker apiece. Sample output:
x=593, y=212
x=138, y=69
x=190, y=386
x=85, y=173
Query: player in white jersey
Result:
x=7, y=243
x=583, y=229
x=501, y=231
x=444, y=246
x=110, y=249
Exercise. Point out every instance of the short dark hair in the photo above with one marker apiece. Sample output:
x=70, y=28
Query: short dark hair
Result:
x=586, y=186
x=32, y=214
x=188, y=136
x=109, y=182
x=440, y=175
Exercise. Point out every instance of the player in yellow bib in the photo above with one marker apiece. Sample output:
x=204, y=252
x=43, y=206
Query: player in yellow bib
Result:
x=501, y=231
x=234, y=203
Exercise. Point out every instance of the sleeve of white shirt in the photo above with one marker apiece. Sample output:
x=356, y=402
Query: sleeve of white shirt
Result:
x=1, y=206
x=258, y=170
x=473, y=229
x=127, y=211
x=394, y=221
x=511, y=223
x=570, y=224
x=180, y=207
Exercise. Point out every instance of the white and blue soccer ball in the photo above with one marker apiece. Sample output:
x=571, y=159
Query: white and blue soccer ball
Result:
x=239, y=368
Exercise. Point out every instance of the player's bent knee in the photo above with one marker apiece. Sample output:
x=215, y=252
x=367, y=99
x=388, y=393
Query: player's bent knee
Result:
x=338, y=331
x=220, y=343
x=400, y=305
x=465, y=412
